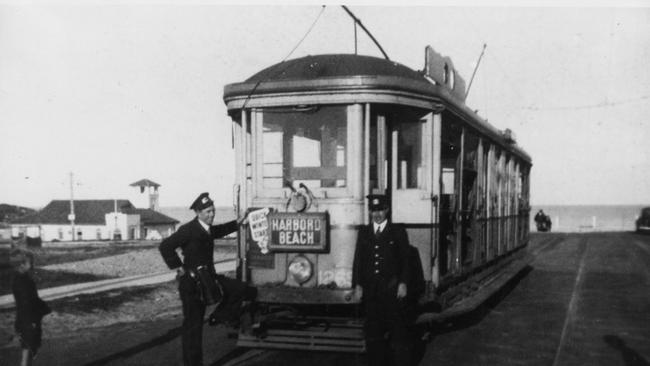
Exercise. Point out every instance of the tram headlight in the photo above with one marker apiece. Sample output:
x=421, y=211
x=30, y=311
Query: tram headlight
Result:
x=300, y=269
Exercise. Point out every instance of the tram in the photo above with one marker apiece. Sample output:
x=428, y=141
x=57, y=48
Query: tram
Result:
x=314, y=136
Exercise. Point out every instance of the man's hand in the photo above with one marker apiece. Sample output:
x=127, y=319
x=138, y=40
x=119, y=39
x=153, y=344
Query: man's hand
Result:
x=180, y=272
x=358, y=293
x=401, y=291
x=243, y=220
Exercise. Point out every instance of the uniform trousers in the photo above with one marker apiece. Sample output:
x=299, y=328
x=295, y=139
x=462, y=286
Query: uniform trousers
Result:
x=388, y=328
x=194, y=311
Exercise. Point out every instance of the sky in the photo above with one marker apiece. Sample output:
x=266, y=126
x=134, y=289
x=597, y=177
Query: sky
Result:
x=118, y=92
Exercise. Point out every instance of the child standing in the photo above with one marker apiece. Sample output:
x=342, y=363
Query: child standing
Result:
x=30, y=309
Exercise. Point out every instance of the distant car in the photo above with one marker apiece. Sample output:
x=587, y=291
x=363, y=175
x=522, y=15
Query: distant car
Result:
x=643, y=222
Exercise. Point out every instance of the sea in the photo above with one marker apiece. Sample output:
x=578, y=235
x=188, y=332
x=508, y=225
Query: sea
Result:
x=183, y=214
x=565, y=218
x=587, y=218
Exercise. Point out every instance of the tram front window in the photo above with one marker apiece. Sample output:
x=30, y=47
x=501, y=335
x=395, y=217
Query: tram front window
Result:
x=305, y=147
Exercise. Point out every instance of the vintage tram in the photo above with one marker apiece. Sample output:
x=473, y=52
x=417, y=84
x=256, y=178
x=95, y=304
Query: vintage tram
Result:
x=314, y=136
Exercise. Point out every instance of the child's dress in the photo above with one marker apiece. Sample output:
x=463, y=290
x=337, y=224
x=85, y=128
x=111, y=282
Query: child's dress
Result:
x=30, y=310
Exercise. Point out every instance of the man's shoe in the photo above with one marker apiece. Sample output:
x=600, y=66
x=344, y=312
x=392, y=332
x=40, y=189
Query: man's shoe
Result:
x=259, y=330
x=215, y=319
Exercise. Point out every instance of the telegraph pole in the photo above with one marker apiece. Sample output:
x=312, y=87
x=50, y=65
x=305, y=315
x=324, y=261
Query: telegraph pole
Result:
x=71, y=215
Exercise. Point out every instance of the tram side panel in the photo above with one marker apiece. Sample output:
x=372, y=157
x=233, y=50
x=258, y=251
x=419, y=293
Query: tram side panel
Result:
x=488, y=196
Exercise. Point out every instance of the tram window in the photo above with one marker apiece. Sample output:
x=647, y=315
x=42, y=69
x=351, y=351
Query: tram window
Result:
x=410, y=171
x=305, y=147
x=272, y=170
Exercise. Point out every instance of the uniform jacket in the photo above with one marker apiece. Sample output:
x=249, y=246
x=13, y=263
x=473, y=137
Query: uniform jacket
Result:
x=30, y=308
x=195, y=242
x=384, y=257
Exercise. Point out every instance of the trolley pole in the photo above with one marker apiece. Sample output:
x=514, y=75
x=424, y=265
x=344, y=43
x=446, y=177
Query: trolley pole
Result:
x=469, y=86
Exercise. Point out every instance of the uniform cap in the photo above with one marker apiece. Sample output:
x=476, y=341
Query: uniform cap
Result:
x=377, y=202
x=201, y=202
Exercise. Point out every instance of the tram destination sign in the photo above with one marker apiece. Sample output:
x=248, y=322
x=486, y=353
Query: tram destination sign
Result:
x=298, y=232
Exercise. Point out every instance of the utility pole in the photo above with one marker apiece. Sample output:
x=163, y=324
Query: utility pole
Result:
x=71, y=215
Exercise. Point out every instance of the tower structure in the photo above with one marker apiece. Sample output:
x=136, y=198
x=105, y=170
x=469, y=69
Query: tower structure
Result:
x=152, y=189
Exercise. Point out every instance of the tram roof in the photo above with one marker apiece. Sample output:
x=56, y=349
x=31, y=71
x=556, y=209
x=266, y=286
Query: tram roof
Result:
x=353, y=75
x=336, y=65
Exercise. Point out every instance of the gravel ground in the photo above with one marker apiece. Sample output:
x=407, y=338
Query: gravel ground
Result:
x=122, y=265
x=133, y=263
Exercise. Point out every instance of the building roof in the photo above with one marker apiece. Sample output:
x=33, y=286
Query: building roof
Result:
x=145, y=183
x=87, y=212
x=151, y=217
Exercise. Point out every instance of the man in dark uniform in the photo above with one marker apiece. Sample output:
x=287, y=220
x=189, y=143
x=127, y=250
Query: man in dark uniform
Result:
x=196, y=240
x=380, y=277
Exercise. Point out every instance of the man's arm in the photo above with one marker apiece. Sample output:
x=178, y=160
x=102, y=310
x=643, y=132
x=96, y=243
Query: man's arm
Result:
x=358, y=254
x=356, y=266
x=219, y=231
x=403, y=249
x=169, y=245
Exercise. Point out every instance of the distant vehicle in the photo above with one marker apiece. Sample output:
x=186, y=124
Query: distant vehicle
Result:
x=543, y=221
x=643, y=222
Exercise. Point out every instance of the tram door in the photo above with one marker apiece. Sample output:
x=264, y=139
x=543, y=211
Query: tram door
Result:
x=402, y=153
x=410, y=146
x=404, y=157
x=450, y=186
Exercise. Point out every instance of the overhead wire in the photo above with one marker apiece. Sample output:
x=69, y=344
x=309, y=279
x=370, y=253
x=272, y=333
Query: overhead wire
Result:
x=259, y=82
x=603, y=104
x=532, y=106
x=494, y=57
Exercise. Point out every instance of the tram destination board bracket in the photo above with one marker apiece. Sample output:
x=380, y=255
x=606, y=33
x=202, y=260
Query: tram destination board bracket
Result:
x=298, y=232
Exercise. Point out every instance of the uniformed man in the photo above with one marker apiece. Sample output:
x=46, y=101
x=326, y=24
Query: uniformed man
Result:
x=196, y=240
x=380, y=277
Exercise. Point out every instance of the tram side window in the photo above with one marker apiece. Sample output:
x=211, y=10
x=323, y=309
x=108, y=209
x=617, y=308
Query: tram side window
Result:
x=410, y=171
x=305, y=147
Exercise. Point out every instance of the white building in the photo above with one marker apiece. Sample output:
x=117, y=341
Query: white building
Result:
x=94, y=220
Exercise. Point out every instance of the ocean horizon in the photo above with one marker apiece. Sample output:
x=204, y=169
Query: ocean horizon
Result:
x=588, y=218
x=565, y=218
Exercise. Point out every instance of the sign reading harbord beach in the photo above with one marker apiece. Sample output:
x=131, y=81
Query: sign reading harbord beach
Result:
x=298, y=232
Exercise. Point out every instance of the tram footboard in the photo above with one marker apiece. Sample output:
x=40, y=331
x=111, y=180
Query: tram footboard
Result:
x=313, y=334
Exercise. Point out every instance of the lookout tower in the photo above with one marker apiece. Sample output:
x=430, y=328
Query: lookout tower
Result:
x=152, y=188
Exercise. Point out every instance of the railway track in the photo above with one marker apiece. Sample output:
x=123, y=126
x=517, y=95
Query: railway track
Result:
x=241, y=356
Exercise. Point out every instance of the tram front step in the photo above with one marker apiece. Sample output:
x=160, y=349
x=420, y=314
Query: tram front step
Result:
x=334, y=339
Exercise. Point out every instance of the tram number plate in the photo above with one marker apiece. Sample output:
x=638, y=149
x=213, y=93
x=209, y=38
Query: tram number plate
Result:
x=342, y=277
x=298, y=232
